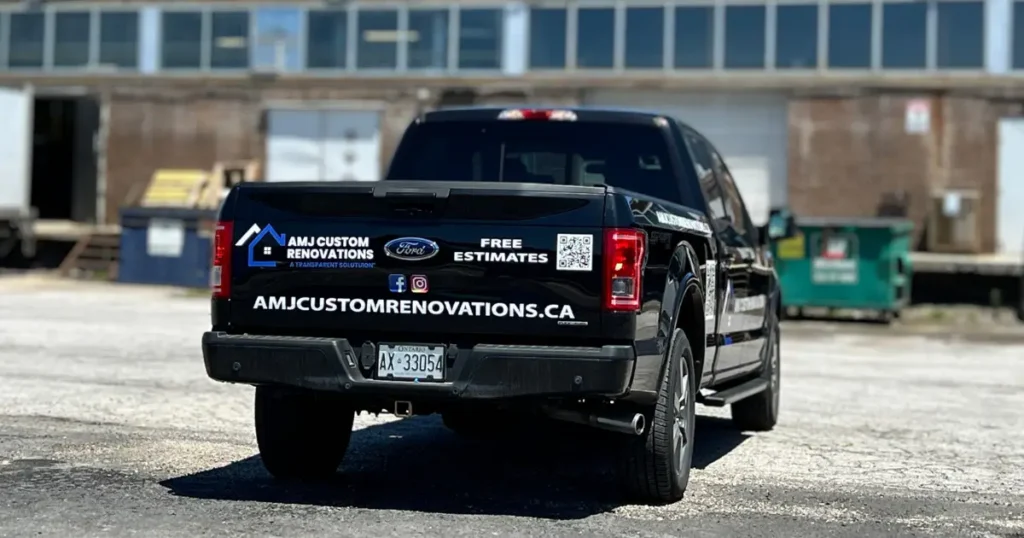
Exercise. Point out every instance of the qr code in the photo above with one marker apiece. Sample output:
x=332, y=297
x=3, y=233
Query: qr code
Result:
x=575, y=252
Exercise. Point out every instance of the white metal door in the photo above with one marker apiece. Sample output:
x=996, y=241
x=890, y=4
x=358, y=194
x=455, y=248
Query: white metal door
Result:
x=294, y=145
x=751, y=132
x=1010, y=218
x=351, y=145
x=15, y=150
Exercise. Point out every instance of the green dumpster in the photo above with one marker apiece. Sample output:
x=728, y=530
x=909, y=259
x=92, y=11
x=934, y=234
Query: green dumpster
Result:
x=861, y=264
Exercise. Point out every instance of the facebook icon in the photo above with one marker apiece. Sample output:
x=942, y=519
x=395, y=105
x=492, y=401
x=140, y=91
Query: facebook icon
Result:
x=397, y=283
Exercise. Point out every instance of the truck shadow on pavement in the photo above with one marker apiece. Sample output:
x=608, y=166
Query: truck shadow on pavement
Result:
x=554, y=471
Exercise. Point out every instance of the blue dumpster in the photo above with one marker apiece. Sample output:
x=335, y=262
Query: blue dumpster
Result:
x=166, y=245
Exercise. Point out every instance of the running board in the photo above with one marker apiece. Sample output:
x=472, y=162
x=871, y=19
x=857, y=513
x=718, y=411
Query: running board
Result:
x=735, y=394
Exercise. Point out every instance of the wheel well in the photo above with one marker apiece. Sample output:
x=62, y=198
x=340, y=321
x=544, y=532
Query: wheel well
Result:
x=691, y=321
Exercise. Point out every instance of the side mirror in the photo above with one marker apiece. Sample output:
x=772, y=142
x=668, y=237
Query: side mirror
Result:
x=781, y=225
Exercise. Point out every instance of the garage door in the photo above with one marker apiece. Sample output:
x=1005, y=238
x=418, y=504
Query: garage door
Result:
x=750, y=130
x=323, y=145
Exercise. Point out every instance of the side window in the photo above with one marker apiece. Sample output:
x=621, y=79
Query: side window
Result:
x=733, y=201
x=705, y=167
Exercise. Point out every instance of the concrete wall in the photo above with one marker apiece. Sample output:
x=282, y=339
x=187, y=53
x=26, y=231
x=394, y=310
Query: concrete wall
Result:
x=848, y=154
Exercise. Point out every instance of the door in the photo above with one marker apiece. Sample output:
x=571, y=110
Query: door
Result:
x=1011, y=186
x=294, y=150
x=323, y=145
x=352, y=145
x=84, y=184
x=738, y=306
x=15, y=150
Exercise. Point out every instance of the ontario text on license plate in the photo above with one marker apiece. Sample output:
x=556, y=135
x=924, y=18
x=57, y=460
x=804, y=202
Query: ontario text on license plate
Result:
x=419, y=362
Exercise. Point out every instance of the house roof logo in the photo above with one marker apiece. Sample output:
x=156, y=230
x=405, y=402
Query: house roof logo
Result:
x=254, y=236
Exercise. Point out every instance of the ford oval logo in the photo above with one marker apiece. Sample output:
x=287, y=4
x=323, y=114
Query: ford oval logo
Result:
x=411, y=248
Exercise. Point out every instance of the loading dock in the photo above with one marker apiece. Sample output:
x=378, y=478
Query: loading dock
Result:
x=49, y=177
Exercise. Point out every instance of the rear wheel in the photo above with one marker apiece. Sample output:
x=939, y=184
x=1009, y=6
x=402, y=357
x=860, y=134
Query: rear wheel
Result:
x=302, y=435
x=760, y=412
x=656, y=466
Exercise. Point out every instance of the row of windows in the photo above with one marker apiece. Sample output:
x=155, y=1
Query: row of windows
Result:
x=804, y=36
x=945, y=34
x=73, y=43
x=222, y=39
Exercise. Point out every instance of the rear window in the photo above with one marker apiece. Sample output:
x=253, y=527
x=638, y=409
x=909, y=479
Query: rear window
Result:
x=633, y=157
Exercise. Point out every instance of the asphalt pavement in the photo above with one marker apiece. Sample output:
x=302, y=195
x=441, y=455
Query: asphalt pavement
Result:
x=109, y=427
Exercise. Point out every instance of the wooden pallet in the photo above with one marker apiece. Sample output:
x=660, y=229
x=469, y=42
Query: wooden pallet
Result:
x=226, y=174
x=95, y=254
x=174, y=188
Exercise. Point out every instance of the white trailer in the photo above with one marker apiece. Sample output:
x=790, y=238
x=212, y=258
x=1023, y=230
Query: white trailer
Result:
x=16, y=212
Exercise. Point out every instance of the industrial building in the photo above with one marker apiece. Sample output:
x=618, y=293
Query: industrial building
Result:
x=832, y=107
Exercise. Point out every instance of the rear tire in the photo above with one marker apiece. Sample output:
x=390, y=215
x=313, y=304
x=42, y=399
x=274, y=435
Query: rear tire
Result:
x=302, y=435
x=656, y=465
x=760, y=412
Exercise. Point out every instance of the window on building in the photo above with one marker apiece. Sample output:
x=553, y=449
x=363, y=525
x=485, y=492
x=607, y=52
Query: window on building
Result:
x=904, y=35
x=25, y=48
x=182, y=36
x=744, y=37
x=645, y=42
x=71, y=38
x=480, y=36
x=3, y=39
x=326, y=39
x=1018, y=35
x=275, y=44
x=595, y=38
x=377, y=46
x=428, y=39
x=229, y=40
x=849, y=36
x=694, y=37
x=119, y=39
x=547, y=38
x=796, y=36
x=961, y=39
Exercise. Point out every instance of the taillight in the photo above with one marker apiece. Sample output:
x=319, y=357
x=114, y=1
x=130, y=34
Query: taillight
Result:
x=624, y=256
x=220, y=272
x=537, y=114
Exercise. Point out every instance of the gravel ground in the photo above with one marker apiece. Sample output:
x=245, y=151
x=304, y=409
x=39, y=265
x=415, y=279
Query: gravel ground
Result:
x=109, y=427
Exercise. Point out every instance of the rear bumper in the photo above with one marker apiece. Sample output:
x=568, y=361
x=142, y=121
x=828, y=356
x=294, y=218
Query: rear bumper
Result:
x=480, y=372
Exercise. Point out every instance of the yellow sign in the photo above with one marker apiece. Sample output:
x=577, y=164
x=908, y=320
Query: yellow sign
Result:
x=792, y=248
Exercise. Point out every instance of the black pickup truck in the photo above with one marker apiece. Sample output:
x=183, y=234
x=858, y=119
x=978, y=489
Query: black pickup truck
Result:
x=582, y=265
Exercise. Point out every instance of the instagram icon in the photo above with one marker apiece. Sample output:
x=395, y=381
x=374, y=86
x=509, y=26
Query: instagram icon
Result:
x=418, y=284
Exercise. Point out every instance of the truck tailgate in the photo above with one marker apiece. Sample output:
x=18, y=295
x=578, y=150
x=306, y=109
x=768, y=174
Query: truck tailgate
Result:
x=438, y=259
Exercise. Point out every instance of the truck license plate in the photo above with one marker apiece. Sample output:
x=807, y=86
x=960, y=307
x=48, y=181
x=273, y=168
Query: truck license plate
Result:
x=414, y=362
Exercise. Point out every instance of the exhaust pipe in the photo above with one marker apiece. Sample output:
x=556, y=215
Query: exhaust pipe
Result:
x=619, y=422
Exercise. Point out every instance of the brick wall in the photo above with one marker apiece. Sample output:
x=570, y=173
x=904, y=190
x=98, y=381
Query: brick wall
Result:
x=849, y=155
x=149, y=132
x=151, y=129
